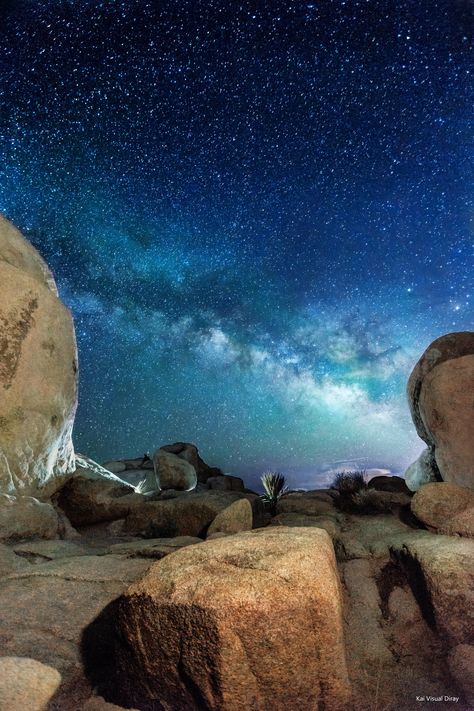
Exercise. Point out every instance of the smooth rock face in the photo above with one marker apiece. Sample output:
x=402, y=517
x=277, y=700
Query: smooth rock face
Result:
x=38, y=372
x=447, y=409
x=26, y=517
x=26, y=685
x=438, y=503
x=423, y=471
x=252, y=621
x=440, y=398
x=173, y=472
x=235, y=518
x=442, y=571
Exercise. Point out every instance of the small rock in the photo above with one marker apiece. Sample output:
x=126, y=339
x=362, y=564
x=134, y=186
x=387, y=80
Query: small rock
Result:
x=393, y=484
x=26, y=685
x=235, y=518
x=436, y=504
x=173, y=472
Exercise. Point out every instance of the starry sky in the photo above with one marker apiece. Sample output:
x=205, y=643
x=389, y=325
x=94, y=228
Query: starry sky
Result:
x=258, y=212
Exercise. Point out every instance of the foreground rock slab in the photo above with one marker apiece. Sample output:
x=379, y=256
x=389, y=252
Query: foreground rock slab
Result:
x=251, y=621
x=46, y=607
x=26, y=684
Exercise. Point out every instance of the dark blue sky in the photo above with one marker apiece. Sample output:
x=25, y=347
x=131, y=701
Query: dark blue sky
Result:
x=259, y=214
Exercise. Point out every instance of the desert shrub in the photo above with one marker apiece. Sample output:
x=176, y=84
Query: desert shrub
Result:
x=274, y=486
x=369, y=501
x=349, y=482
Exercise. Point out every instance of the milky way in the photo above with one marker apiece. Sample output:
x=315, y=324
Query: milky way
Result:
x=257, y=212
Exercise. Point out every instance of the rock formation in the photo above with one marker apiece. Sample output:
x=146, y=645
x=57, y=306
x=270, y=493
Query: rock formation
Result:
x=440, y=396
x=173, y=472
x=38, y=372
x=252, y=621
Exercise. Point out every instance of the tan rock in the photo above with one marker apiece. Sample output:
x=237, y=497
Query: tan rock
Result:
x=26, y=517
x=173, y=472
x=26, y=684
x=38, y=372
x=436, y=504
x=235, y=518
x=251, y=621
x=443, y=349
x=461, y=666
x=447, y=411
x=389, y=483
x=442, y=567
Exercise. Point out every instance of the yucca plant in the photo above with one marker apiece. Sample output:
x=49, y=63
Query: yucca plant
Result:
x=274, y=486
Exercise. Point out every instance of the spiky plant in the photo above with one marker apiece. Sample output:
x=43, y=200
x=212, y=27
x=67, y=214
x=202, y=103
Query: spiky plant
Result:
x=349, y=482
x=274, y=486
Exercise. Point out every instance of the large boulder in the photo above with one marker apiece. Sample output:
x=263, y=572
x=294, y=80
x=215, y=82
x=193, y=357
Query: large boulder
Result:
x=252, y=621
x=38, y=372
x=26, y=684
x=439, y=504
x=440, y=397
x=173, y=472
x=189, y=452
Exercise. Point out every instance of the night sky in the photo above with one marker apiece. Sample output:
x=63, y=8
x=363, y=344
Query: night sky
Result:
x=259, y=214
